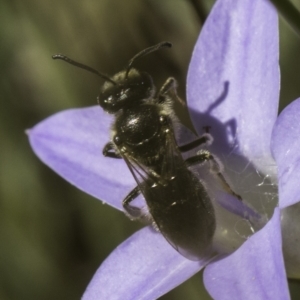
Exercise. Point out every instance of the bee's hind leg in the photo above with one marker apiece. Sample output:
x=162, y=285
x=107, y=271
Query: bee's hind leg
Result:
x=204, y=156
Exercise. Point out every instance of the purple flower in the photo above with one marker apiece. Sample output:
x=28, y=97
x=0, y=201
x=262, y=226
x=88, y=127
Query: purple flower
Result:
x=232, y=86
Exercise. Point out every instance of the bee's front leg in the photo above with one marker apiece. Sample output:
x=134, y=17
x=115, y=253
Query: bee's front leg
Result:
x=169, y=91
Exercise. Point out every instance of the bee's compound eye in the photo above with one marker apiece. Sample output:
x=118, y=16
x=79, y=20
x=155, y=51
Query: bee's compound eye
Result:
x=117, y=140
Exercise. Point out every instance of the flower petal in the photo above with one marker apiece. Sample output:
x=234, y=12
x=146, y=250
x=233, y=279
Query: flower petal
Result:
x=71, y=144
x=255, y=271
x=143, y=267
x=290, y=229
x=233, y=78
x=285, y=145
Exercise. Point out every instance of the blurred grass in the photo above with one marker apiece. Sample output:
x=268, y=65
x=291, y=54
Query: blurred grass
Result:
x=52, y=236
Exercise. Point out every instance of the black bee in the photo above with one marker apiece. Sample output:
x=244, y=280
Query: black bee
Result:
x=143, y=135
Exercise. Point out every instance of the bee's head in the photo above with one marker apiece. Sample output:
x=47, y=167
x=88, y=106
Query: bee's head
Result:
x=128, y=89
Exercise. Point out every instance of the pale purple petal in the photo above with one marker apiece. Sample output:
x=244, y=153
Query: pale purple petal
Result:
x=285, y=146
x=233, y=79
x=71, y=143
x=143, y=267
x=255, y=271
x=290, y=228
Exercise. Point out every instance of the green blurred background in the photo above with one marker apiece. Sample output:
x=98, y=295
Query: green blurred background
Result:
x=53, y=237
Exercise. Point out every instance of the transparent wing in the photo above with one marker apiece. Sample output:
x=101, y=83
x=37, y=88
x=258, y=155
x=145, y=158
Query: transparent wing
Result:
x=162, y=170
x=177, y=202
x=172, y=158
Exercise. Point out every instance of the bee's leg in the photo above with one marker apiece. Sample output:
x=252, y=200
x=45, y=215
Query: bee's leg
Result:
x=132, y=211
x=204, y=156
x=109, y=151
x=169, y=89
x=206, y=138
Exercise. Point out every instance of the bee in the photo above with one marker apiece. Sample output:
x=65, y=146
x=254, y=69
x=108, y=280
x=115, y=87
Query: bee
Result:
x=143, y=135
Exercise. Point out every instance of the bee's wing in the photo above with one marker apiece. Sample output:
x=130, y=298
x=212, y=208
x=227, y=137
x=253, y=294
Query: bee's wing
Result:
x=167, y=166
x=171, y=157
x=165, y=194
x=150, y=188
x=144, y=176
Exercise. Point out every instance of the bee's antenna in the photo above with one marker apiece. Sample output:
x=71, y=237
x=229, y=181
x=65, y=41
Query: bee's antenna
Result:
x=145, y=52
x=79, y=65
